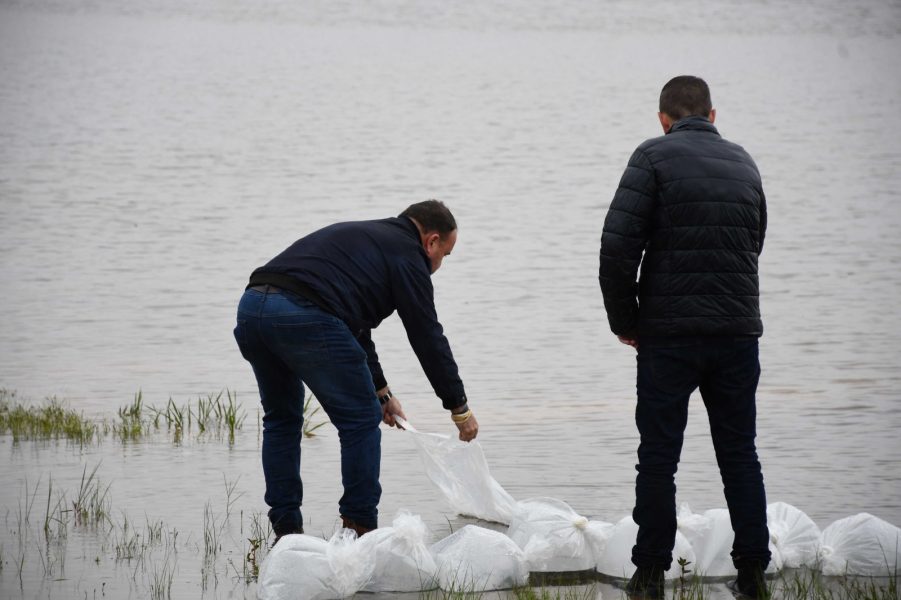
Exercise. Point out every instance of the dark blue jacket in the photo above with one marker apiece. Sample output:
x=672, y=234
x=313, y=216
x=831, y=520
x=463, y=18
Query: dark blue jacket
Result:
x=690, y=210
x=363, y=271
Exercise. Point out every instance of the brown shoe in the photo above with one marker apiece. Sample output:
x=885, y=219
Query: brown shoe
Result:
x=279, y=536
x=359, y=529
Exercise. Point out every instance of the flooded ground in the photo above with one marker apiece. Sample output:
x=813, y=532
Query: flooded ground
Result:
x=151, y=157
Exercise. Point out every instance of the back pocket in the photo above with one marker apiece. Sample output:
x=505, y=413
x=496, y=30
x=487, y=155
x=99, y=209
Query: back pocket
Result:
x=301, y=343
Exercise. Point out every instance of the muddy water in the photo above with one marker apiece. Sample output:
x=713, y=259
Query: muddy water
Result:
x=149, y=160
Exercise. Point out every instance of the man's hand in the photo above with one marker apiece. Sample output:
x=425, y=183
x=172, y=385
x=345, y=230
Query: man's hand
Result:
x=469, y=429
x=628, y=340
x=389, y=409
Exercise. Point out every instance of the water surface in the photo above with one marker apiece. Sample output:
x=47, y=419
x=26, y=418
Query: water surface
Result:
x=152, y=155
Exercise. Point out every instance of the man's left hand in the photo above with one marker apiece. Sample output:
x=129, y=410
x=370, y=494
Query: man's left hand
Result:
x=391, y=408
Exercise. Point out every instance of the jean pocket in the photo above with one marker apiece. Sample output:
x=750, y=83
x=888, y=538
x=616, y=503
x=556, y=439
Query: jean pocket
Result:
x=670, y=371
x=301, y=344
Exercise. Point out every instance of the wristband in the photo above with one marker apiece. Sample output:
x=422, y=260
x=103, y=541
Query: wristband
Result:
x=462, y=417
x=383, y=399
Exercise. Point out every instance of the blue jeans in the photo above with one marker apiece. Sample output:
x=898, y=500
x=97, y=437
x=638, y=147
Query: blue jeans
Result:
x=727, y=371
x=290, y=342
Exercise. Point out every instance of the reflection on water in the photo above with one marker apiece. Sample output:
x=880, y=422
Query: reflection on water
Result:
x=148, y=162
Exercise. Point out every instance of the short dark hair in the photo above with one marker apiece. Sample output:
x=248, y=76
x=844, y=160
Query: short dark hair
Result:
x=432, y=215
x=685, y=96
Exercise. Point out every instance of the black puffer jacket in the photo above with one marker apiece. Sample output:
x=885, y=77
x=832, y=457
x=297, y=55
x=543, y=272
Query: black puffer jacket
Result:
x=693, y=204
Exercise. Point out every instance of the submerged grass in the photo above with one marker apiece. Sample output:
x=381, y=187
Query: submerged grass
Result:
x=127, y=541
x=51, y=420
x=161, y=576
x=131, y=420
x=210, y=415
x=214, y=416
x=801, y=584
x=582, y=592
x=812, y=585
x=260, y=531
x=56, y=519
x=92, y=503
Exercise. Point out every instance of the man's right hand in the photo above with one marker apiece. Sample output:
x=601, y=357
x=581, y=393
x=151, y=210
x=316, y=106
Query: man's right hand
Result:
x=469, y=429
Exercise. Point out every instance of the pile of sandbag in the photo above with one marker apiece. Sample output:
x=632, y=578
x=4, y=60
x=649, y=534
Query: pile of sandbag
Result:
x=389, y=559
x=545, y=535
x=553, y=537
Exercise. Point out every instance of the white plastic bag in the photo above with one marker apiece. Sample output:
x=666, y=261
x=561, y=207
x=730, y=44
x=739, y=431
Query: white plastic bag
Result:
x=460, y=472
x=794, y=537
x=710, y=536
x=553, y=536
x=303, y=566
x=403, y=562
x=475, y=559
x=616, y=559
x=860, y=545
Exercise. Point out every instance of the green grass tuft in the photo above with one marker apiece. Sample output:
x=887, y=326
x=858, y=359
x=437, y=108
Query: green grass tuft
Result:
x=51, y=420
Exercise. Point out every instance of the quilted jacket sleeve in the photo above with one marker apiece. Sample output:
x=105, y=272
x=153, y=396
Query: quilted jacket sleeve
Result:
x=626, y=231
x=762, y=222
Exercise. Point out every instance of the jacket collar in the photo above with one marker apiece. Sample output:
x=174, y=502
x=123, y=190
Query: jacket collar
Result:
x=409, y=227
x=693, y=123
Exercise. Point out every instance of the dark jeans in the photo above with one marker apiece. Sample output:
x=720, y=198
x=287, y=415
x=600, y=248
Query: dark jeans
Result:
x=726, y=370
x=290, y=341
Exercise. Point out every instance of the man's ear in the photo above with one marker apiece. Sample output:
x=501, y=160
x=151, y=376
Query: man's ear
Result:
x=432, y=238
x=712, y=116
x=665, y=121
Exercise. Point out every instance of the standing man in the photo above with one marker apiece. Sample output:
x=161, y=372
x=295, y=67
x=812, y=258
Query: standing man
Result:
x=690, y=210
x=305, y=318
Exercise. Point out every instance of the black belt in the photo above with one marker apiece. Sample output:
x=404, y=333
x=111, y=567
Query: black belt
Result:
x=261, y=283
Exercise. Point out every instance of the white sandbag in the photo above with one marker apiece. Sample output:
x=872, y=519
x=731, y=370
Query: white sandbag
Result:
x=460, y=472
x=860, y=545
x=475, y=559
x=597, y=533
x=616, y=559
x=552, y=535
x=403, y=562
x=303, y=566
x=794, y=537
x=710, y=535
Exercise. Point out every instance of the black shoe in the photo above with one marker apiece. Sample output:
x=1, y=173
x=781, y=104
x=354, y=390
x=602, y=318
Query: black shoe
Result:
x=647, y=582
x=750, y=583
